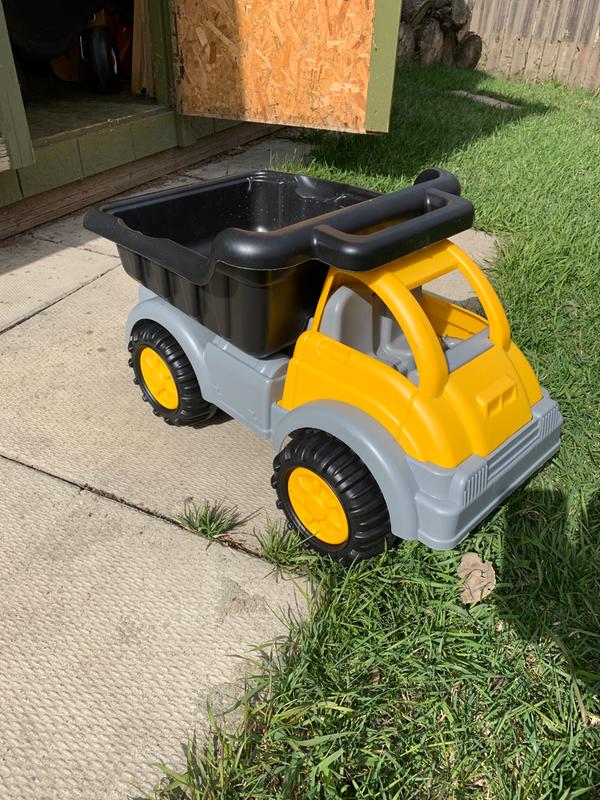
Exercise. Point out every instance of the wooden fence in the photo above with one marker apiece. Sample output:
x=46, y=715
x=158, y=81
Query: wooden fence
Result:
x=553, y=40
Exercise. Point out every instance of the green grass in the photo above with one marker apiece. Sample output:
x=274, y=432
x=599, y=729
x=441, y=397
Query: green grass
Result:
x=391, y=688
x=213, y=520
x=283, y=548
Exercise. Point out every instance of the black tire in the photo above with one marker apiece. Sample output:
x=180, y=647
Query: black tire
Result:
x=369, y=530
x=192, y=408
x=102, y=60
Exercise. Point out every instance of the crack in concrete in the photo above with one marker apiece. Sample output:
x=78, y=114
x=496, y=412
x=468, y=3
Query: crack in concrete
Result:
x=40, y=238
x=58, y=300
x=225, y=539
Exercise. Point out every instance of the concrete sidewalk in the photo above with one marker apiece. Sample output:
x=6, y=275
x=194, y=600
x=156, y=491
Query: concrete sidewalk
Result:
x=117, y=629
x=116, y=625
x=69, y=404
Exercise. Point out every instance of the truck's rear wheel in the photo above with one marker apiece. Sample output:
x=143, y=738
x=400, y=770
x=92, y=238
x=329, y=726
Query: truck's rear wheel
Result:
x=329, y=496
x=165, y=376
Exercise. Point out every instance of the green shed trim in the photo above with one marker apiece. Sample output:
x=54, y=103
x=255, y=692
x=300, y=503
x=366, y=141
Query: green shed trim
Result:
x=14, y=130
x=162, y=27
x=383, y=64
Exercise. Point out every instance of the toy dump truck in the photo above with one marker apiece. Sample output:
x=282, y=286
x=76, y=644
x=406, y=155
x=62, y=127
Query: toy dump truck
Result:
x=296, y=306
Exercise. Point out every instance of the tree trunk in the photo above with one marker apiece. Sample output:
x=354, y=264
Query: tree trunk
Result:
x=431, y=42
x=460, y=12
x=462, y=32
x=414, y=11
x=438, y=30
x=468, y=51
x=406, y=43
x=448, y=48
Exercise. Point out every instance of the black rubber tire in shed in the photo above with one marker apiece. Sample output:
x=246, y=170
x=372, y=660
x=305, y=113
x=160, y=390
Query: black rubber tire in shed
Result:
x=102, y=59
x=192, y=408
x=367, y=517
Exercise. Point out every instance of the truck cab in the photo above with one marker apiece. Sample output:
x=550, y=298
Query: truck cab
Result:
x=445, y=382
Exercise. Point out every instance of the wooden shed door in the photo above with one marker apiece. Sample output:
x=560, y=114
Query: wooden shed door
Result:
x=317, y=63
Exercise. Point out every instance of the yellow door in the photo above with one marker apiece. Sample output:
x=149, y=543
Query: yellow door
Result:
x=325, y=369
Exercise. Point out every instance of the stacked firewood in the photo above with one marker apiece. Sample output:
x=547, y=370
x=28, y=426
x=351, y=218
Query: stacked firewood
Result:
x=438, y=31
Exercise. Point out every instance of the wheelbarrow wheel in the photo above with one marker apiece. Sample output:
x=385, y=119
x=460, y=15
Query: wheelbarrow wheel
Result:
x=329, y=496
x=102, y=59
x=164, y=374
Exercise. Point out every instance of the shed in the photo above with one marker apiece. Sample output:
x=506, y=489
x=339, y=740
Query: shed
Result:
x=218, y=72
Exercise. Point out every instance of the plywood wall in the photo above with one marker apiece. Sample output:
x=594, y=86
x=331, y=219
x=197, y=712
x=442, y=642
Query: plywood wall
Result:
x=541, y=40
x=296, y=62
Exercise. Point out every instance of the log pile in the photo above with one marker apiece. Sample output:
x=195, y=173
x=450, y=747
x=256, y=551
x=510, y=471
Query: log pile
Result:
x=437, y=31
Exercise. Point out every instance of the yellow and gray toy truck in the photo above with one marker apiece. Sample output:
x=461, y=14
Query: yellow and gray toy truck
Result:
x=297, y=306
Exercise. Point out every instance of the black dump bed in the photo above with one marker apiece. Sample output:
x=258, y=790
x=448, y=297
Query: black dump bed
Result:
x=247, y=255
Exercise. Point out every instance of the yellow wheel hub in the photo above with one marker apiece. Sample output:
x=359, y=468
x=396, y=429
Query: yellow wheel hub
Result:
x=158, y=379
x=317, y=506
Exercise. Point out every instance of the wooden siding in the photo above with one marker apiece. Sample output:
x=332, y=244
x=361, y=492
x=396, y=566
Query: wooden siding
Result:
x=541, y=40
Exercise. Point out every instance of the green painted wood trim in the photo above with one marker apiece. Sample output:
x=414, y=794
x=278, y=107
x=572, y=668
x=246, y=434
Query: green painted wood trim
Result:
x=383, y=64
x=106, y=149
x=162, y=34
x=67, y=160
x=190, y=129
x=55, y=165
x=10, y=189
x=154, y=134
x=223, y=124
x=13, y=122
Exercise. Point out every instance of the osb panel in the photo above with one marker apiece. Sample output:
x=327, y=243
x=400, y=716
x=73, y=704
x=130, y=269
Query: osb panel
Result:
x=294, y=62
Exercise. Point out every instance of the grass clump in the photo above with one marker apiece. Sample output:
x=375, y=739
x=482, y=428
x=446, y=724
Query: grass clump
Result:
x=213, y=520
x=283, y=547
x=390, y=688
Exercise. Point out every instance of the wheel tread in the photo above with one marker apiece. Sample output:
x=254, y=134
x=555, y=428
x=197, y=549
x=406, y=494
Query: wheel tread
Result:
x=367, y=513
x=193, y=409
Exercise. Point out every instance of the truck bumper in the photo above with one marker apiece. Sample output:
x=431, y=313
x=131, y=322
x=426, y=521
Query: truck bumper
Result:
x=451, y=502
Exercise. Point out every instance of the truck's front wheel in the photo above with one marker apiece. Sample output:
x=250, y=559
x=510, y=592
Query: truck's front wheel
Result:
x=166, y=377
x=329, y=496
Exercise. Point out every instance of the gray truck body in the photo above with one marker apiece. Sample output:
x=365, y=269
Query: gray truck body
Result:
x=436, y=505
